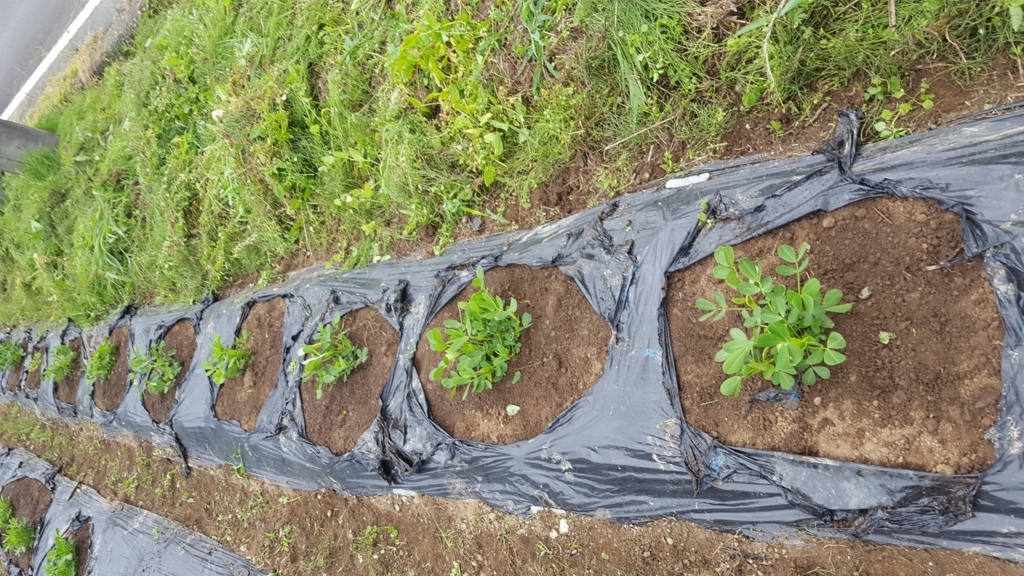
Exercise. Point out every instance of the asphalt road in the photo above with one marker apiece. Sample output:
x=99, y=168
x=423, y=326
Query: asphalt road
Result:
x=28, y=30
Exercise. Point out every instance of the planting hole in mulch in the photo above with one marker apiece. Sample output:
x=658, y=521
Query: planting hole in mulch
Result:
x=109, y=392
x=29, y=501
x=563, y=353
x=242, y=398
x=182, y=339
x=14, y=377
x=82, y=539
x=347, y=409
x=35, y=377
x=67, y=389
x=922, y=402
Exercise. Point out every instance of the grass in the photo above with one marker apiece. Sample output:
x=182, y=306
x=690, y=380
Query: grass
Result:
x=233, y=134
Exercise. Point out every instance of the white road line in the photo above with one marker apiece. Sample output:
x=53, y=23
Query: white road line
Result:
x=50, y=57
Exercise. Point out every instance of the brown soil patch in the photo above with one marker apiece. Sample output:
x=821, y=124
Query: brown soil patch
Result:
x=182, y=339
x=324, y=533
x=82, y=539
x=242, y=398
x=67, y=389
x=109, y=392
x=35, y=377
x=922, y=402
x=14, y=377
x=29, y=500
x=555, y=374
x=347, y=409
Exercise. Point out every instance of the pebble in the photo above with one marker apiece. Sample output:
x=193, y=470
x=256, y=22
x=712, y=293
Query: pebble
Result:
x=553, y=534
x=944, y=469
x=987, y=399
x=563, y=526
x=860, y=213
x=817, y=400
x=669, y=541
x=920, y=217
x=899, y=397
x=828, y=222
x=931, y=424
x=865, y=293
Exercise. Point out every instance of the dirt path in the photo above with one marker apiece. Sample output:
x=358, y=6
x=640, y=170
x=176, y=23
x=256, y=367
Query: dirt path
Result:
x=300, y=533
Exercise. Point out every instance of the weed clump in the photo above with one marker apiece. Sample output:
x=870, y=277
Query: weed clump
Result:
x=227, y=362
x=18, y=535
x=331, y=356
x=160, y=366
x=789, y=335
x=479, y=347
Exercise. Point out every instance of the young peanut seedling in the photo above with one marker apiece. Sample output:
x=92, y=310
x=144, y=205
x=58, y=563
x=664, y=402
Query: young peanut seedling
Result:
x=160, y=366
x=227, y=362
x=479, y=347
x=61, y=363
x=788, y=329
x=331, y=357
x=61, y=559
x=10, y=355
x=101, y=363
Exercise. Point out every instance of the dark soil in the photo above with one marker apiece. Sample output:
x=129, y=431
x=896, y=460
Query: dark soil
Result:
x=15, y=375
x=922, y=402
x=182, y=339
x=109, y=392
x=241, y=399
x=67, y=389
x=82, y=538
x=555, y=374
x=328, y=532
x=29, y=499
x=35, y=377
x=347, y=409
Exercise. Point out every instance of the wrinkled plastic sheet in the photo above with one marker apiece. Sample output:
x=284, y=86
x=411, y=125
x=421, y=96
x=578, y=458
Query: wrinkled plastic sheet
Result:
x=623, y=451
x=124, y=539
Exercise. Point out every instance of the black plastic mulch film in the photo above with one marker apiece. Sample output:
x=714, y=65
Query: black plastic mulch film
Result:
x=123, y=539
x=623, y=451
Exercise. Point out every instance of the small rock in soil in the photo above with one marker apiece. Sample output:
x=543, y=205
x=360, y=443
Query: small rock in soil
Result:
x=563, y=526
x=944, y=469
x=920, y=217
x=865, y=293
x=828, y=222
x=899, y=397
x=987, y=399
x=860, y=213
x=817, y=400
x=931, y=424
x=553, y=534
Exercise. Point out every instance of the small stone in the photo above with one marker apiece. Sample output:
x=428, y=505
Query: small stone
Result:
x=920, y=217
x=944, y=469
x=875, y=403
x=860, y=213
x=492, y=516
x=931, y=425
x=899, y=397
x=828, y=222
x=981, y=325
x=553, y=534
x=397, y=509
x=987, y=399
x=817, y=400
x=563, y=526
x=669, y=541
x=865, y=293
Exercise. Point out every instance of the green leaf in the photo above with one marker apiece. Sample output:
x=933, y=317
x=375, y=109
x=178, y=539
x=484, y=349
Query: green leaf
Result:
x=823, y=372
x=706, y=316
x=815, y=357
x=839, y=309
x=724, y=255
x=704, y=304
x=735, y=362
x=747, y=289
x=811, y=288
x=767, y=340
x=785, y=380
x=517, y=376
x=1016, y=16
x=809, y=378
x=780, y=329
x=787, y=253
x=731, y=386
x=437, y=372
x=832, y=297
x=836, y=341
x=783, y=270
x=489, y=175
x=719, y=299
x=721, y=272
x=738, y=335
x=749, y=269
x=833, y=358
